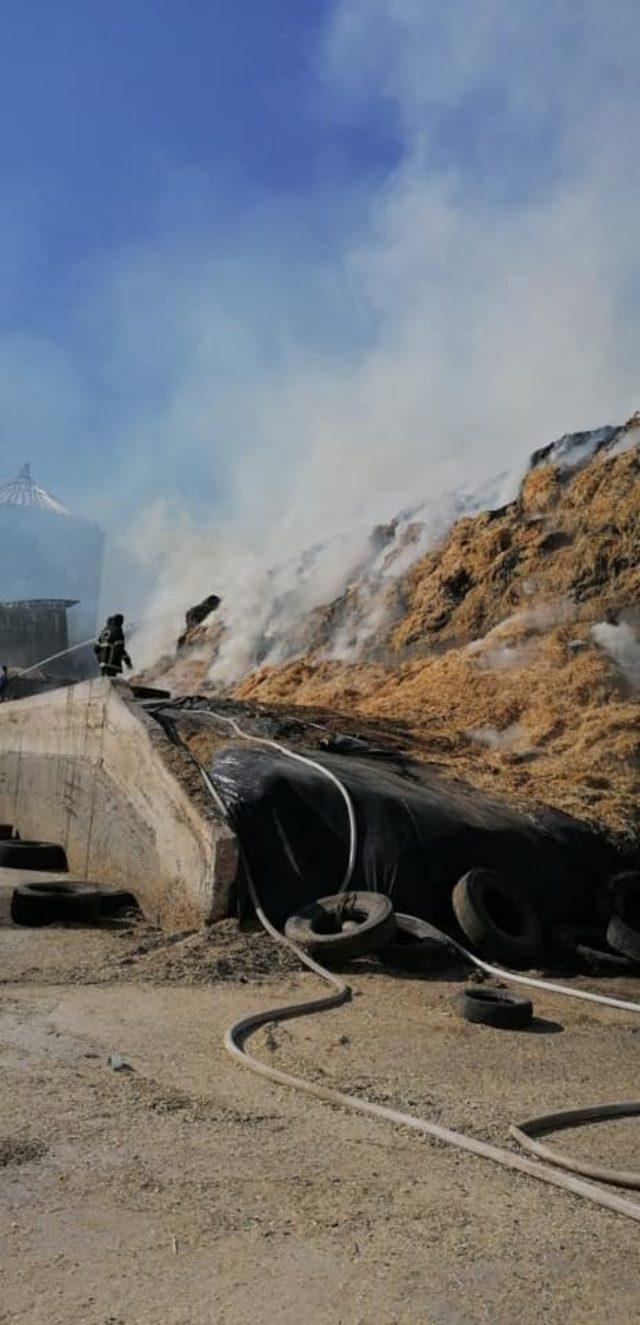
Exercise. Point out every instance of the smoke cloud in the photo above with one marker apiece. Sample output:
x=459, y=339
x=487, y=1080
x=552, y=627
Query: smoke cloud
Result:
x=513, y=738
x=623, y=646
x=246, y=391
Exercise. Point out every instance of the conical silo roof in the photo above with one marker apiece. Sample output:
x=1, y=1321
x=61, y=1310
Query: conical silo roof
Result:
x=22, y=491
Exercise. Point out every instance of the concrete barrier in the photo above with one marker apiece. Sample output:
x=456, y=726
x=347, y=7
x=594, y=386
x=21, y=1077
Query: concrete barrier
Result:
x=87, y=767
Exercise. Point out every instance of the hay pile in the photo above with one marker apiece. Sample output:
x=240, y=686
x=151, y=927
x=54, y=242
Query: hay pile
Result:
x=488, y=653
x=491, y=649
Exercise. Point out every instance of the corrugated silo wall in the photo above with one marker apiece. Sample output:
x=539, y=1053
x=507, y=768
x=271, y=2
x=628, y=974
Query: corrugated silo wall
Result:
x=44, y=555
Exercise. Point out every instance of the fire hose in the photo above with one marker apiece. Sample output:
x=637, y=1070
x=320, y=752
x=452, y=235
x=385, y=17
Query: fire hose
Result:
x=84, y=644
x=236, y=1037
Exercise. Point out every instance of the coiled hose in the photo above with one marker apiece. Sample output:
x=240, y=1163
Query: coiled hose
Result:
x=236, y=1036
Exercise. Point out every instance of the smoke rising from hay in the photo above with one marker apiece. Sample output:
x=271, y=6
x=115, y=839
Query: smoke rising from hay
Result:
x=513, y=738
x=622, y=644
x=255, y=389
x=488, y=310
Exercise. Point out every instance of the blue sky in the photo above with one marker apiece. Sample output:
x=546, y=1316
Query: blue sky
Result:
x=99, y=102
x=137, y=134
x=271, y=266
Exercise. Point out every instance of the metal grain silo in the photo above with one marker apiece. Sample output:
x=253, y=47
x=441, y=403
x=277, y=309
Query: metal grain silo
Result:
x=47, y=552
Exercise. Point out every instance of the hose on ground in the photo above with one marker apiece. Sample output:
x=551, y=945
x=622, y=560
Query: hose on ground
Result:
x=237, y=1035
x=549, y=986
x=525, y=1134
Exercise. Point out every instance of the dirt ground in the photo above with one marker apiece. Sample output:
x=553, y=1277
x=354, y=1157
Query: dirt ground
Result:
x=182, y=1190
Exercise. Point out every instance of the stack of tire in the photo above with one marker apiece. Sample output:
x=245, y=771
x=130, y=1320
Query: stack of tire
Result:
x=611, y=945
x=501, y=923
x=50, y=901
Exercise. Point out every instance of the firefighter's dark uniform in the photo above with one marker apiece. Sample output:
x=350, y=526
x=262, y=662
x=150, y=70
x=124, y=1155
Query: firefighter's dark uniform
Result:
x=110, y=649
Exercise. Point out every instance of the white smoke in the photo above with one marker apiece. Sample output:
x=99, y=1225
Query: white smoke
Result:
x=513, y=642
x=504, y=656
x=623, y=645
x=628, y=440
x=263, y=604
x=329, y=360
x=479, y=304
x=512, y=738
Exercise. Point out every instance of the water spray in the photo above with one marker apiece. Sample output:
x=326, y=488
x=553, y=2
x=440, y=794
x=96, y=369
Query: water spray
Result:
x=74, y=648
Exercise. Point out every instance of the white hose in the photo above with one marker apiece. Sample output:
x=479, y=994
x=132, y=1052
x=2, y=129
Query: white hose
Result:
x=237, y=1035
x=548, y=985
x=299, y=759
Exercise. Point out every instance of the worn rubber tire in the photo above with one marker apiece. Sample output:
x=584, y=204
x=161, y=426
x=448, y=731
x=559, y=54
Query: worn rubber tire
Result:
x=369, y=920
x=586, y=946
x=54, y=903
x=624, y=890
x=623, y=939
x=498, y=919
x=33, y=856
x=495, y=1007
x=116, y=900
x=417, y=946
x=603, y=962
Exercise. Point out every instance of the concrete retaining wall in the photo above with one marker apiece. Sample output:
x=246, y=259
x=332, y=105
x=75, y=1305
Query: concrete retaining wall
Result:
x=87, y=767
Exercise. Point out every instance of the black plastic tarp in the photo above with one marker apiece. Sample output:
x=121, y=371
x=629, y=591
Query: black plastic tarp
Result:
x=417, y=834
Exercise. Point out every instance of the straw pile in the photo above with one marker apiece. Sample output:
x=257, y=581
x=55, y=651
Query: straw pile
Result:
x=488, y=653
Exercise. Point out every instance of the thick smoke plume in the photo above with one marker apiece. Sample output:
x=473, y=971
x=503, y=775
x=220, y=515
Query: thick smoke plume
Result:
x=484, y=306
x=231, y=394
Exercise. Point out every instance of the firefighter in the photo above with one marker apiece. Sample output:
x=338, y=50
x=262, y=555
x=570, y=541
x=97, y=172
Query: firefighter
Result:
x=110, y=649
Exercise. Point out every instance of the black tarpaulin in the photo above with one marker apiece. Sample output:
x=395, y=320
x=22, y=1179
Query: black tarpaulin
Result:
x=417, y=834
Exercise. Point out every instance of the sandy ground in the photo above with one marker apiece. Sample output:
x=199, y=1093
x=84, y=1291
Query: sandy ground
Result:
x=184, y=1191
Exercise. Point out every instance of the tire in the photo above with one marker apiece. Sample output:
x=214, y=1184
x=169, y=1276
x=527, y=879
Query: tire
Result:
x=116, y=900
x=622, y=938
x=586, y=946
x=495, y=1007
x=624, y=890
x=33, y=856
x=417, y=946
x=499, y=920
x=349, y=925
x=53, y=903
